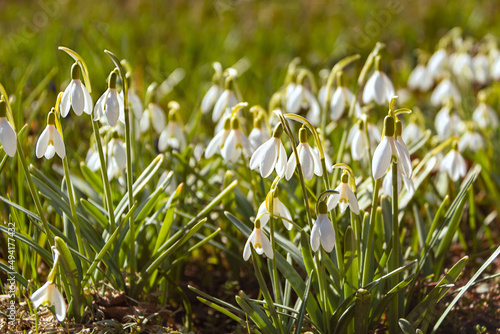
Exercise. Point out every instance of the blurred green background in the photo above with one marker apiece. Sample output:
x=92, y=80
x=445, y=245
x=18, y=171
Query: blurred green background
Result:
x=160, y=36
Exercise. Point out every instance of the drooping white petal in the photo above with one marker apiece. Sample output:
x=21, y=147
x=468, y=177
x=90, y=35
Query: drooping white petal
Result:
x=112, y=107
x=326, y=232
x=65, y=100
x=214, y=145
x=281, y=163
x=144, y=123
x=388, y=87
x=119, y=154
x=39, y=296
x=403, y=158
x=157, y=117
x=229, y=151
x=381, y=158
x=358, y=143
x=59, y=304
x=266, y=245
x=269, y=157
x=58, y=143
x=314, y=112
x=246, y=146
x=353, y=202
x=99, y=107
x=42, y=143
x=210, y=98
x=374, y=89
x=306, y=160
x=333, y=200
x=88, y=101
x=257, y=156
x=163, y=141
x=247, y=251
x=290, y=167
x=50, y=152
x=436, y=62
x=77, y=97
x=8, y=137
x=315, y=238
x=338, y=104
x=318, y=168
x=294, y=100
x=283, y=212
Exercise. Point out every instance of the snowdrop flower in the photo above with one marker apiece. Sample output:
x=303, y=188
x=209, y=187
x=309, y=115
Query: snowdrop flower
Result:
x=344, y=197
x=481, y=68
x=270, y=155
x=48, y=295
x=8, y=137
x=485, y=117
x=420, y=79
x=357, y=138
x=328, y=160
x=172, y=135
x=153, y=115
x=379, y=87
x=50, y=141
x=462, y=65
x=437, y=63
x=323, y=232
x=454, y=164
x=218, y=141
x=76, y=95
x=110, y=104
x=92, y=158
x=308, y=158
x=387, y=150
x=404, y=154
x=444, y=120
x=387, y=184
x=301, y=94
x=117, y=159
x=259, y=133
x=341, y=99
x=259, y=241
x=279, y=210
x=443, y=92
x=226, y=101
x=134, y=103
x=471, y=140
x=211, y=96
x=412, y=133
x=236, y=143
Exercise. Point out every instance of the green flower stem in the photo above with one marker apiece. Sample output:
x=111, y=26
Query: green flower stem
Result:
x=277, y=292
x=394, y=263
x=104, y=174
x=72, y=204
x=128, y=144
x=367, y=263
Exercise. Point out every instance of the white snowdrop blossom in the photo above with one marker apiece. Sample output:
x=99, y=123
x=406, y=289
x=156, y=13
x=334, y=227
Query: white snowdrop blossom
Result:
x=110, y=104
x=279, y=211
x=445, y=91
x=481, y=68
x=412, y=133
x=344, y=197
x=437, y=63
x=471, y=140
x=340, y=100
x=259, y=134
x=300, y=95
x=155, y=116
x=50, y=141
x=461, y=65
x=404, y=154
x=8, y=137
x=328, y=160
x=308, y=158
x=387, y=183
x=219, y=139
x=270, y=155
x=444, y=120
x=225, y=103
x=259, y=241
x=210, y=98
x=76, y=95
x=135, y=104
x=454, y=164
x=322, y=232
x=357, y=139
x=388, y=149
x=172, y=135
x=117, y=159
x=420, y=79
x=485, y=117
x=379, y=87
x=236, y=143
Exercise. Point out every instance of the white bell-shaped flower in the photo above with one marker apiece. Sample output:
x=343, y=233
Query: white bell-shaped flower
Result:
x=344, y=197
x=471, y=140
x=437, y=63
x=341, y=99
x=117, y=159
x=259, y=133
x=259, y=241
x=8, y=137
x=387, y=183
x=357, y=139
x=218, y=141
x=485, y=117
x=50, y=140
x=279, y=211
x=412, y=133
x=404, y=154
x=153, y=116
x=481, y=68
x=328, y=160
x=210, y=98
x=225, y=103
x=76, y=95
x=236, y=144
x=110, y=104
x=446, y=122
x=387, y=150
x=270, y=155
x=135, y=105
x=172, y=136
x=48, y=295
x=461, y=65
x=445, y=91
x=92, y=158
x=379, y=87
x=300, y=95
x=308, y=158
x=323, y=232
x=420, y=79
x=454, y=164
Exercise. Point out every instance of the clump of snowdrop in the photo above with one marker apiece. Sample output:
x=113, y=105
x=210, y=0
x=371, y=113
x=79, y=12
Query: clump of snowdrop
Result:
x=344, y=197
x=8, y=137
x=271, y=155
x=76, y=95
x=48, y=295
x=308, y=159
x=110, y=104
x=172, y=135
x=322, y=232
x=50, y=141
x=454, y=164
x=379, y=87
x=341, y=99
